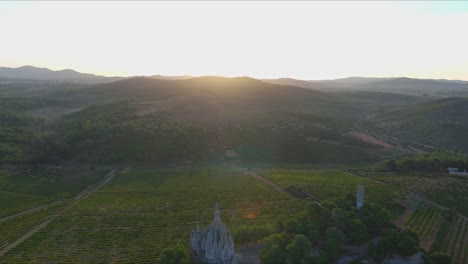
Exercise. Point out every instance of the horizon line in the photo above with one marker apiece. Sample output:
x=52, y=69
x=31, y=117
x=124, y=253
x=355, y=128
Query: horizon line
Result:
x=239, y=76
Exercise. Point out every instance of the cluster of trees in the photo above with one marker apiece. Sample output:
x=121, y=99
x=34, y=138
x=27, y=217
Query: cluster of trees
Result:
x=405, y=243
x=114, y=133
x=436, y=161
x=18, y=131
x=174, y=255
x=245, y=234
x=329, y=227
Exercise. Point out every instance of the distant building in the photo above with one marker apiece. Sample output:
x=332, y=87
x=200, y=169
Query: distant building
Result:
x=457, y=171
x=214, y=244
x=360, y=196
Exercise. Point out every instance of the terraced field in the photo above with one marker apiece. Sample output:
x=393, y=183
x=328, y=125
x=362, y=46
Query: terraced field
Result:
x=140, y=212
x=329, y=184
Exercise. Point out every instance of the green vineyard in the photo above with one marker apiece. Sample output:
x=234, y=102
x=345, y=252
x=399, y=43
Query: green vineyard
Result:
x=13, y=228
x=383, y=195
x=425, y=221
x=456, y=242
x=138, y=214
x=330, y=184
x=22, y=202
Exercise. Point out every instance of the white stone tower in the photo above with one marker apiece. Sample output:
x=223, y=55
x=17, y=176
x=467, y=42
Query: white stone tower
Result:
x=360, y=196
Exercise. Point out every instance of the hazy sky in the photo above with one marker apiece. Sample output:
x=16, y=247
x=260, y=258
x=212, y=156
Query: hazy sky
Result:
x=306, y=40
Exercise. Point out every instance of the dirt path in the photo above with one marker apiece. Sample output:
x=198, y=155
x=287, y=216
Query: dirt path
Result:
x=370, y=139
x=26, y=236
x=258, y=177
x=73, y=202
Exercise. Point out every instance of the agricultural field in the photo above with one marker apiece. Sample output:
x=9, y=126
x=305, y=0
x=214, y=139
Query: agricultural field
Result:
x=447, y=190
x=455, y=243
x=142, y=211
x=329, y=184
x=33, y=190
x=22, y=202
x=14, y=228
x=425, y=221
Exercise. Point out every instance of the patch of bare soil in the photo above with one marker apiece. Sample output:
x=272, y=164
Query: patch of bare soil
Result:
x=370, y=139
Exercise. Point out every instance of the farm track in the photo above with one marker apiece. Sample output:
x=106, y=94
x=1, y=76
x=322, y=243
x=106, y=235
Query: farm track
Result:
x=70, y=204
x=258, y=177
x=26, y=235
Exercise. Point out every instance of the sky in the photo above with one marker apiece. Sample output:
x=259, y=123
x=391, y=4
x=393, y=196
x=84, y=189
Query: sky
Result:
x=303, y=40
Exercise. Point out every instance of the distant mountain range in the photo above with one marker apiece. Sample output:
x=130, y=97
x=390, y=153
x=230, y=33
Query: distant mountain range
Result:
x=401, y=85
x=35, y=73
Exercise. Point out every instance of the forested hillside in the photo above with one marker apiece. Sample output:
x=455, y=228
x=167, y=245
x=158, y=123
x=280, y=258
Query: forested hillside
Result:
x=147, y=120
x=441, y=123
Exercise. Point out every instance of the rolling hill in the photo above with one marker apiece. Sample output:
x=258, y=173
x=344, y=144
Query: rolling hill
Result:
x=442, y=123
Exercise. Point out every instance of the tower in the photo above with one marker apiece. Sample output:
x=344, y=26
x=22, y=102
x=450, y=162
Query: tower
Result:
x=214, y=243
x=360, y=196
x=217, y=213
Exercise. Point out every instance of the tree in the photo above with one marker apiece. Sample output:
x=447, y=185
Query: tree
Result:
x=393, y=237
x=318, y=215
x=408, y=246
x=278, y=226
x=274, y=247
x=174, y=255
x=340, y=217
x=357, y=231
x=293, y=227
x=298, y=251
x=391, y=165
x=333, y=249
x=273, y=255
x=337, y=235
x=277, y=239
x=383, y=248
x=412, y=234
